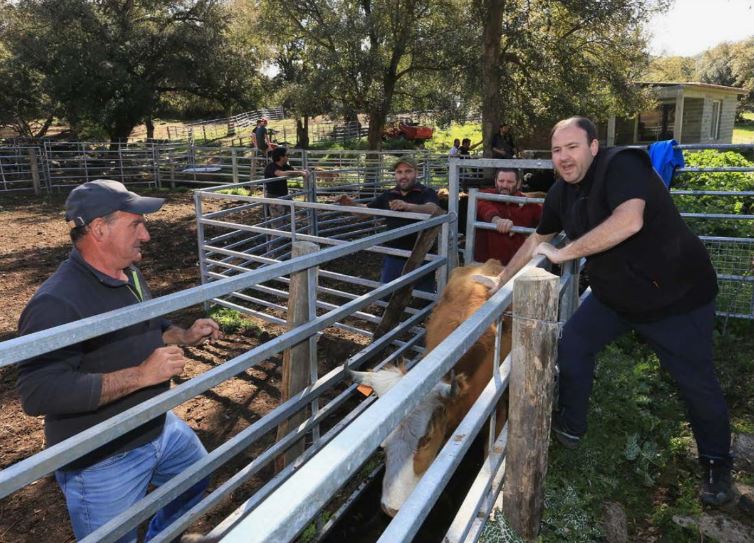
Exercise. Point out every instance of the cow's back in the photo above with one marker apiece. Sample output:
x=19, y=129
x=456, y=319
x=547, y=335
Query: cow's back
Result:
x=460, y=299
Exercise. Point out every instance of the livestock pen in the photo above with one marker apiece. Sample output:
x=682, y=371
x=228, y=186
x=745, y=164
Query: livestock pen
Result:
x=245, y=255
x=228, y=255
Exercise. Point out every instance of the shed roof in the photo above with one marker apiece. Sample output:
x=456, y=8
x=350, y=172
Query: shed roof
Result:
x=694, y=85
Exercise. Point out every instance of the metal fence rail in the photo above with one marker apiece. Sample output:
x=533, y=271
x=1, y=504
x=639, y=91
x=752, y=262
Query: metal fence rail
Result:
x=30, y=469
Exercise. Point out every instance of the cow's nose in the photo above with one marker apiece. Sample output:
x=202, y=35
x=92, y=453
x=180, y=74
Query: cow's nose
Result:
x=388, y=511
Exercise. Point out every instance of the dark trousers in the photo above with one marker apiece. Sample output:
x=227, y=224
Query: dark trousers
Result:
x=392, y=268
x=683, y=344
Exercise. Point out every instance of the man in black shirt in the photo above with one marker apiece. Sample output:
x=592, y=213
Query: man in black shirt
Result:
x=407, y=195
x=81, y=385
x=280, y=168
x=648, y=272
x=502, y=143
x=260, y=134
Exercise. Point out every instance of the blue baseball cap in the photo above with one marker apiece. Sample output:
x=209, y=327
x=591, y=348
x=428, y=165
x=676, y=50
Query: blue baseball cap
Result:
x=104, y=196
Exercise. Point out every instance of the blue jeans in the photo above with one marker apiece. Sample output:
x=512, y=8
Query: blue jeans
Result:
x=99, y=493
x=683, y=344
x=392, y=268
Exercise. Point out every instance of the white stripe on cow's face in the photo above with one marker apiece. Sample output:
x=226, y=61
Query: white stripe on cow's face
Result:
x=402, y=443
x=400, y=447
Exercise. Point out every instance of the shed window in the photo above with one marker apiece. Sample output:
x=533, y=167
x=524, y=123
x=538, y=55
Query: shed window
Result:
x=714, y=126
x=657, y=124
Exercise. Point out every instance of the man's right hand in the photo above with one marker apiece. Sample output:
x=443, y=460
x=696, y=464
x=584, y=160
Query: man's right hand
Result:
x=162, y=364
x=503, y=225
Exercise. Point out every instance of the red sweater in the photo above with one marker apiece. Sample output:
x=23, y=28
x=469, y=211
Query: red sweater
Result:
x=490, y=244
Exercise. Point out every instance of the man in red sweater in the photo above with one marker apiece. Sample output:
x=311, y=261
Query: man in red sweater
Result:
x=503, y=244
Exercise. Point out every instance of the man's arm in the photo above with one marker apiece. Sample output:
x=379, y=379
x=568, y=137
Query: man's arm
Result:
x=400, y=205
x=161, y=365
x=291, y=173
x=519, y=260
x=625, y=221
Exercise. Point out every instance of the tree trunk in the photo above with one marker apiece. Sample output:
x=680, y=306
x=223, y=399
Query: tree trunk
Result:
x=44, y=128
x=376, y=124
x=492, y=105
x=150, y=128
x=378, y=114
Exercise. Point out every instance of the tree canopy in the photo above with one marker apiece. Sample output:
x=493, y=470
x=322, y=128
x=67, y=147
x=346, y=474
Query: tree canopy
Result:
x=106, y=64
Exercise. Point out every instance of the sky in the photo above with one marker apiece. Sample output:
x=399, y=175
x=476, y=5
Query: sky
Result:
x=691, y=26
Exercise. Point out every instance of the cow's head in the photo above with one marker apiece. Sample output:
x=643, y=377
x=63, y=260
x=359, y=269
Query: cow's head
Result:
x=412, y=446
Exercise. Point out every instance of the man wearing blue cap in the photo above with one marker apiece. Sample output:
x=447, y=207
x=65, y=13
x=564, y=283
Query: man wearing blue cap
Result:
x=81, y=385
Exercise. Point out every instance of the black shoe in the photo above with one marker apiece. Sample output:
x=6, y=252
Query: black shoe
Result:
x=717, y=486
x=566, y=437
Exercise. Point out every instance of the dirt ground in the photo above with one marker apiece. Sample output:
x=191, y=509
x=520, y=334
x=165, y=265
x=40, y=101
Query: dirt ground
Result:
x=35, y=241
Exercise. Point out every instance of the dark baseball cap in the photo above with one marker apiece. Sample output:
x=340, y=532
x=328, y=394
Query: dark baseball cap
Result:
x=104, y=196
x=407, y=160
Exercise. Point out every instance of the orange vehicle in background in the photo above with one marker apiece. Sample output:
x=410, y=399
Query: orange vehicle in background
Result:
x=408, y=131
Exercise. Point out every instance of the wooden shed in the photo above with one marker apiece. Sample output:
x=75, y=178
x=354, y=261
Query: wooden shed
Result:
x=686, y=112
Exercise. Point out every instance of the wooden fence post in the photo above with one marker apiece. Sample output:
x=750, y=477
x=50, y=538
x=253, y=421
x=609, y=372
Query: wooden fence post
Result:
x=535, y=312
x=34, y=166
x=300, y=361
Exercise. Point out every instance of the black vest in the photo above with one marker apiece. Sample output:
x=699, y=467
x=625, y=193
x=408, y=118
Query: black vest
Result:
x=662, y=270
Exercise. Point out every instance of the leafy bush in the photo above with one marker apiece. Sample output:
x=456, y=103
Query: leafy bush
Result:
x=232, y=321
x=728, y=181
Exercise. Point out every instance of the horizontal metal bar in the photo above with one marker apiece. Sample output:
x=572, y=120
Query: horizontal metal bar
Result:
x=506, y=198
x=718, y=216
x=515, y=229
x=28, y=346
x=675, y=192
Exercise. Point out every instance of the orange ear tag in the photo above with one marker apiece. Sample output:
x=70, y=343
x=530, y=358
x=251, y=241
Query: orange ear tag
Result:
x=366, y=390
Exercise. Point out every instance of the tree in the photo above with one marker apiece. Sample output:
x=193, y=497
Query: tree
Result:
x=715, y=66
x=360, y=53
x=675, y=68
x=544, y=59
x=108, y=62
x=730, y=64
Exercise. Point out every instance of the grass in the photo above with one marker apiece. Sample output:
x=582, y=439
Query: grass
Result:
x=237, y=191
x=638, y=451
x=233, y=322
x=743, y=132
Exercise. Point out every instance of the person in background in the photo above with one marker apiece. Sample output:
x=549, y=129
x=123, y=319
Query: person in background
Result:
x=648, y=273
x=279, y=167
x=454, y=150
x=84, y=384
x=502, y=143
x=262, y=137
x=502, y=244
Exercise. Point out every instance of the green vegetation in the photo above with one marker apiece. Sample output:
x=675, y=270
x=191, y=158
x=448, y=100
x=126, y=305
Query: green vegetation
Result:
x=238, y=191
x=233, y=322
x=743, y=132
x=727, y=181
x=442, y=139
x=638, y=450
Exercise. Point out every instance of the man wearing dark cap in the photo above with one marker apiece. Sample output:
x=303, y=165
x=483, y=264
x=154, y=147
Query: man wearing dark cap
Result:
x=407, y=195
x=81, y=385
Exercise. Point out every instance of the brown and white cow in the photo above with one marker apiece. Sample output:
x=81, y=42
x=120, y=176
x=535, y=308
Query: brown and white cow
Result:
x=413, y=445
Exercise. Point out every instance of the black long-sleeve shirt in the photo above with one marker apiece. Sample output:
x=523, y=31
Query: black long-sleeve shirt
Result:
x=65, y=385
